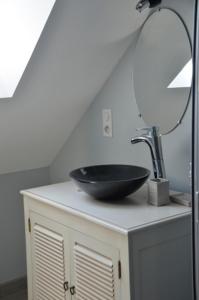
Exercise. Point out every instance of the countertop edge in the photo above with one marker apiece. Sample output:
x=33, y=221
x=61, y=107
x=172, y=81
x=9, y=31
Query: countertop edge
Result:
x=101, y=222
x=76, y=212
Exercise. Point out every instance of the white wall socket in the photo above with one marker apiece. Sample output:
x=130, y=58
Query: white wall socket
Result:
x=107, y=122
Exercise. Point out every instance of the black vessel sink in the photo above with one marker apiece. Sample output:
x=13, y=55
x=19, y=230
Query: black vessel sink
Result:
x=107, y=182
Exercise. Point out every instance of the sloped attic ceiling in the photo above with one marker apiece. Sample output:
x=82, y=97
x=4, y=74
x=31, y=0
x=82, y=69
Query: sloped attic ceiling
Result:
x=82, y=42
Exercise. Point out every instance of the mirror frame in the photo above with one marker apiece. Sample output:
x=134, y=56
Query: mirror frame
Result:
x=179, y=121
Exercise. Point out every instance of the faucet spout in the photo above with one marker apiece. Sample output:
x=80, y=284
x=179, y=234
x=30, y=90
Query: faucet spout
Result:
x=153, y=139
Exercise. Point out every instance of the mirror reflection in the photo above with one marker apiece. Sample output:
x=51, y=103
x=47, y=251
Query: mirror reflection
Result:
x=163, y=70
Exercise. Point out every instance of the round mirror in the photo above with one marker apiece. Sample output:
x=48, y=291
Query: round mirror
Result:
x=162, y=70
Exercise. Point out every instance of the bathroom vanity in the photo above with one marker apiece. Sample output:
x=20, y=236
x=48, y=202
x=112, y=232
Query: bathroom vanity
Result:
x=84, y=249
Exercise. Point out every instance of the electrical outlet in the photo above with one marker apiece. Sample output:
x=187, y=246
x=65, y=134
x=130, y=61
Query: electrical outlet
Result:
x=107, y=122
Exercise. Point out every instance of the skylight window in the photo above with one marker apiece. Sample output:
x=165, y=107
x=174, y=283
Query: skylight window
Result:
x=21, y=24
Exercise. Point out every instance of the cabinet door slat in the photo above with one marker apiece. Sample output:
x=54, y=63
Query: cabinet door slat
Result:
x=52, y=265
x=49, y=264
x=97, y=278
x=91, y=267
x=49, y=234
x=94, y=263
x=102, y=260
x=52, y=255
x=53, y=273
x=94, y=274
x=92, y=286
x=50, y=245
x=53, y=289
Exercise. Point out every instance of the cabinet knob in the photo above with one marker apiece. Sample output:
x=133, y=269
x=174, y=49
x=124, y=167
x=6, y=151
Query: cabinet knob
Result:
x=72, y=290
x=66, y=287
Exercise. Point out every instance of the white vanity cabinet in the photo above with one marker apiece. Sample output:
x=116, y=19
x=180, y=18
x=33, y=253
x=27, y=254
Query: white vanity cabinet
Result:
x=82, y=249
x=65, y=262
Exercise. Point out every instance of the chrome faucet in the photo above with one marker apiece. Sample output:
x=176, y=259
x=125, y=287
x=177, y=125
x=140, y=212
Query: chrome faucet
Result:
x=152, y=138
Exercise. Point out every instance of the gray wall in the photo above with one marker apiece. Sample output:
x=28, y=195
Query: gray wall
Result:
x=69, y=65
x=87, y=146
x=12, y=234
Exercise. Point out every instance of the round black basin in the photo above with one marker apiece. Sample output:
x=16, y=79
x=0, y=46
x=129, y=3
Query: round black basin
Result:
x=108, y=182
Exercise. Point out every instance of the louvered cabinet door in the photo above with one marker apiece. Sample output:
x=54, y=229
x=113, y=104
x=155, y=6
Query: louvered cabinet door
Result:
x=95, y=273
x=50, y=259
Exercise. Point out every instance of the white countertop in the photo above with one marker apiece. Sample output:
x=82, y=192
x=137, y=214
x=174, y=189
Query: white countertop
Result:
x=132, y=213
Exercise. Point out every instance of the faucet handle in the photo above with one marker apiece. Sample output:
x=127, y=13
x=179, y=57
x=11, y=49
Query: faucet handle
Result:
x=147, y=129
x=153, y=130
x=143, y=128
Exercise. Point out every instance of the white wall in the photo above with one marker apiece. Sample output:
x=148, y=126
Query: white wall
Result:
x=80, y=45
x=87, y=146
x=12, y=234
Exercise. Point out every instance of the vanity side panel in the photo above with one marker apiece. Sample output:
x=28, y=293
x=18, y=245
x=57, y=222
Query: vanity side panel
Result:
x=160, y=262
